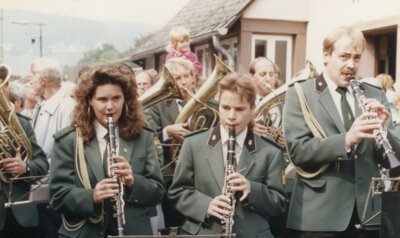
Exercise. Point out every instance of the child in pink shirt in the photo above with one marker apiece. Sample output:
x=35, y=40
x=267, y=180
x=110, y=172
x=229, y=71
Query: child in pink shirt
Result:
x=179, y=46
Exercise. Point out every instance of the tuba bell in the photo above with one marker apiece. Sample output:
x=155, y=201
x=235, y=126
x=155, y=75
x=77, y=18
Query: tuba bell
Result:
x=12, y=135
x=165, y=88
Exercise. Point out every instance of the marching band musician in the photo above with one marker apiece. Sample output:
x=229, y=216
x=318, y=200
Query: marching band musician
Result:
x=330, y=204
x=20, y=221
x=265, y=79
x=162, y=116
x=79, y=186
x=199, y=176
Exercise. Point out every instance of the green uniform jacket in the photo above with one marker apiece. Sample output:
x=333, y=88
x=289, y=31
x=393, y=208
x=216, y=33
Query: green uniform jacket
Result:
x=26, y=215
x=69, y=197
x=199, y=177
x=326, y=202
x=162, y=114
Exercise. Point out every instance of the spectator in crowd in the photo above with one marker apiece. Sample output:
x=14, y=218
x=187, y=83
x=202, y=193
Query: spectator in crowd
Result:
x=55, y=113
x=17, y=95
x=145, y=79
x=387, y=86
x=179, y=46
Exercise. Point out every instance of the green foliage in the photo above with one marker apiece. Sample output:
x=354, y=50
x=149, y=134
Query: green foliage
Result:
x=104, y=54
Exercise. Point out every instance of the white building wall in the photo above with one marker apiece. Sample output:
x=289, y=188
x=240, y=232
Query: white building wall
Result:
x=323, y=16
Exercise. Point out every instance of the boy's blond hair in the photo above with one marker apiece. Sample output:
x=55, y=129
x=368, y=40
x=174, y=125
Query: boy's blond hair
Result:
x=177, y=34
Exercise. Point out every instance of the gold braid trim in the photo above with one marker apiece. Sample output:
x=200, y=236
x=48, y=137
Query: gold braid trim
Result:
x=82, y=171
x=315, y=128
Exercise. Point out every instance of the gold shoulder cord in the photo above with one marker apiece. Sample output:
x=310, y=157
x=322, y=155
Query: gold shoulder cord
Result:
x=84, y=178
x=315, y=128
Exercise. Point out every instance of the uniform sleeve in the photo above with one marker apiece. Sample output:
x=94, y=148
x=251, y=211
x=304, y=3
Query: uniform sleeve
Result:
x=269, y=197
x=38, y=165
x=148, y=186
x=68, y=195
x=182, y=193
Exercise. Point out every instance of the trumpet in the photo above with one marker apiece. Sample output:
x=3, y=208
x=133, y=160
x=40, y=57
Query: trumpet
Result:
x=119, y=198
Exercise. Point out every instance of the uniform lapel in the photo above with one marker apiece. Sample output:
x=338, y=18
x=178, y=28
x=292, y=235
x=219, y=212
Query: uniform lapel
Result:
x=215, y=156
x=125, y=149
x=171, y=109
x=246, y=161
x=327, y=103
x=94, y=159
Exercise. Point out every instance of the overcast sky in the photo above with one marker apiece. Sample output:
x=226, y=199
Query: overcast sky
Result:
x=156, y=12
x=19, y=52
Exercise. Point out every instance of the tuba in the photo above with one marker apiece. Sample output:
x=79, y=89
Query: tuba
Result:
x=269, y=111
x=197, y=110
x=165, y=88
x=12, y=135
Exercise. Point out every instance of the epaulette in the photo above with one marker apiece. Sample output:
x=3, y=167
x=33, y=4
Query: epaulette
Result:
x=291, y=83
x=372, y=85
x=60, y=134
x=196, y=132
x=23, y=116
x=272, y=142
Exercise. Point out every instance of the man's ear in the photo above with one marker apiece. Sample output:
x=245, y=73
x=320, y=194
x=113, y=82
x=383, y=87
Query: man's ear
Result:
x=326, y=56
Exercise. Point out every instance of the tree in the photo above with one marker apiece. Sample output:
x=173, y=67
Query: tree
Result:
x=100, y=55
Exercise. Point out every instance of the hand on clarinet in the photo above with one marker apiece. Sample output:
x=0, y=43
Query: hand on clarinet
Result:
x=123, y=169
x=106, y=188
x=239, y=184
x=364, y=125
x=219, y=207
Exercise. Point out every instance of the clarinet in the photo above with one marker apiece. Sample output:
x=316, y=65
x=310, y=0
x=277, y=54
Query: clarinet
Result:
x=227, y=221
x=118, y=198
x=379, y=134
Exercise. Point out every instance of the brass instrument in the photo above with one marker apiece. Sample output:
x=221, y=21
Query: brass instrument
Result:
x=269, y=110
x=227, y=221
x=165, y=88
x=12, y=135
x=196, y=108
x=119, y=198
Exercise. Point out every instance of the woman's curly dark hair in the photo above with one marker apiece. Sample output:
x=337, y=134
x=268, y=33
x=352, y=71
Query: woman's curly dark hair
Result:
x=131, y=121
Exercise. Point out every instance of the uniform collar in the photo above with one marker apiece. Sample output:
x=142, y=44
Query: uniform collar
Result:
x=249, y=140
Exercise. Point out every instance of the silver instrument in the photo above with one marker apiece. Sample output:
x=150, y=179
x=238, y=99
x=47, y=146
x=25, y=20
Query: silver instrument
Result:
x=379, y=134
x=227, y=222
x=119, y=198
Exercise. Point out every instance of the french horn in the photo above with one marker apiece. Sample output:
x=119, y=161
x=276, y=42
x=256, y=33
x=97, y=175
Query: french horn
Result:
x=12, y=135
x=269, y=111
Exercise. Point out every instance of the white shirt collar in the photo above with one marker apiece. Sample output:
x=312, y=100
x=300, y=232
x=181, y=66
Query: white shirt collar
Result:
x=101, y=131
x=239, y=138
x=336, y=96
x=332, y=85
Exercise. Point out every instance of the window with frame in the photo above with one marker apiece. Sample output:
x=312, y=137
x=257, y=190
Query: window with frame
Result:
x=204, y=57
x=277, y=48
